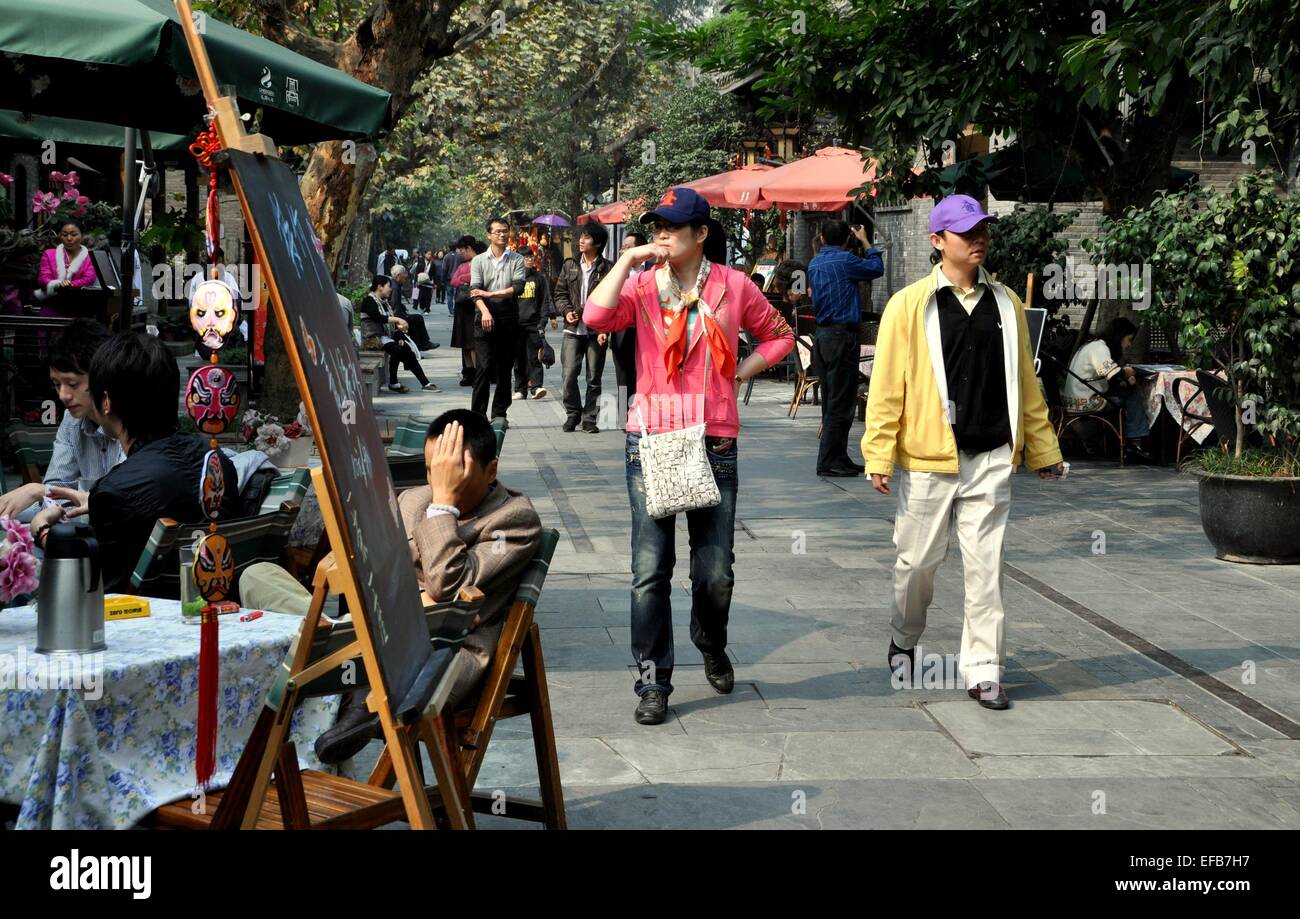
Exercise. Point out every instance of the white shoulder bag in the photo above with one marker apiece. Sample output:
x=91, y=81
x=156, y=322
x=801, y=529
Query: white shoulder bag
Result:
x=675, y=464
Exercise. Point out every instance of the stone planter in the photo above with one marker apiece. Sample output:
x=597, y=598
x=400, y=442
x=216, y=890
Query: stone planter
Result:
x=1252, y=519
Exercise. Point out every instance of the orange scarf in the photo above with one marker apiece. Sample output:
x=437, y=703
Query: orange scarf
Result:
x=715, y=336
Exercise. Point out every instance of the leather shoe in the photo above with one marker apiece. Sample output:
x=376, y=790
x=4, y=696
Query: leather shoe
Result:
x=570, y=426
x=653, y=707
x=354, y=727
x=895, y=665
x=719, y=672
x=990, y=695
x=840, y=472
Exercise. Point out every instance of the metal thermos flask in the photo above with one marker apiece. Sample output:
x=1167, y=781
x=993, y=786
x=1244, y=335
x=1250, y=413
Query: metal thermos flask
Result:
x=70, y=600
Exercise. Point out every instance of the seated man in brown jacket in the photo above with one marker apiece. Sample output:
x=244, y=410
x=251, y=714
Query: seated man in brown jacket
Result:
x=465, y=529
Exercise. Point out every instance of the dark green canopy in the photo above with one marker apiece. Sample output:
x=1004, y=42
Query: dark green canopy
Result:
x=1017, y=173
x=66, y=130
x=125, y=62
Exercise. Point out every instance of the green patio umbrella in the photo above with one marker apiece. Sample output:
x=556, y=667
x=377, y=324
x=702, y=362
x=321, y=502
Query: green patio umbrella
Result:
x=126, y=62
x=67, y=130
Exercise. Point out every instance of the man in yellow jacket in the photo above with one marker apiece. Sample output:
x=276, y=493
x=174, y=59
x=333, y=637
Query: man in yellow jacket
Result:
x=955, y=404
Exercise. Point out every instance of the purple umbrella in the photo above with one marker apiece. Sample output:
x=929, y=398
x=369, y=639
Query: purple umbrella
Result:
x=552, y=220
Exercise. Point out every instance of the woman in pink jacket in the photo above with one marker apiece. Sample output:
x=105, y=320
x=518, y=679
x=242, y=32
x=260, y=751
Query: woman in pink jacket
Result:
x=688, y=313
x=65, y=266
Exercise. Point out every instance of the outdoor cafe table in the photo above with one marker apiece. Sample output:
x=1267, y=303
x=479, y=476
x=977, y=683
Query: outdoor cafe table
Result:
x=104, y=750
x=1158, y=395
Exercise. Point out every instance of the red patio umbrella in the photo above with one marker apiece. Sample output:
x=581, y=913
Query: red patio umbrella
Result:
x=821, y=182
x=716, y=189
x=617, y=212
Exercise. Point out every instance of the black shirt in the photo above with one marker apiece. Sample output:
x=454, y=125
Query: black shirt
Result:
x=160, y=478
x=972, y=360
x=531, y=301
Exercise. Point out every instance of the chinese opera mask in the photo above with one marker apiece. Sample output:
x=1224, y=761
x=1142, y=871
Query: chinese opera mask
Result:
x=214, y=568
x=212, y=399
x=212, y=312
x=212, y=487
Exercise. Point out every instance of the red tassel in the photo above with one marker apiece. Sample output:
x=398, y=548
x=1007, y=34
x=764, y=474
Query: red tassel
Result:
x=205, y=752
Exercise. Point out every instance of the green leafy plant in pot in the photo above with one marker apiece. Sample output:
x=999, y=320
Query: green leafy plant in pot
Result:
x=1225, y=269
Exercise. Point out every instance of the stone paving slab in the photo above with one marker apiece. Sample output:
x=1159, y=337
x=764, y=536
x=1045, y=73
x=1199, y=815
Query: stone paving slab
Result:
x=816, y=736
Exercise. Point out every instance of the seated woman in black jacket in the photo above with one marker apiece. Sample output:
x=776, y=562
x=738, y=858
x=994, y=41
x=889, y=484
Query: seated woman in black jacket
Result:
x=382, y=331
x=134, y=384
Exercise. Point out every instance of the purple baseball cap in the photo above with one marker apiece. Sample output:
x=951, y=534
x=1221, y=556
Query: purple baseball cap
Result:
x=679, y=205
x=958, y=213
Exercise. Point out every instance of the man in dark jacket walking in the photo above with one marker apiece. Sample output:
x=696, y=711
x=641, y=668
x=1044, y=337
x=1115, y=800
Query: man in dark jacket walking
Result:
x=578, y=278
x=534, y=307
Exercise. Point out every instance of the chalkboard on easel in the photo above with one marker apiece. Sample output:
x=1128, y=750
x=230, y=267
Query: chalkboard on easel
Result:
x=361, y=491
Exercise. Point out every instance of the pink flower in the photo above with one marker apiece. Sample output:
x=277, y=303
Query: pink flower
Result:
x=293, y=430
x=6, y=179
x=17, y=575
x=57, y=176
x=44, y=202
x=71, y=179
x=16, y=533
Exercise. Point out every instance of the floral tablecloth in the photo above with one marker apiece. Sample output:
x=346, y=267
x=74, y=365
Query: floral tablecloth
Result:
x=97, y=741
x=1158, y=392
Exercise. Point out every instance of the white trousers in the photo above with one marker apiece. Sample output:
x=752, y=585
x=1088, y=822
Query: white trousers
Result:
x=978, y=498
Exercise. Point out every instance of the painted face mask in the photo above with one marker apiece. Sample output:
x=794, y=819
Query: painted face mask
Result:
x=212, y=312
x=212, y=487
x=212, y=399
x=214, y=568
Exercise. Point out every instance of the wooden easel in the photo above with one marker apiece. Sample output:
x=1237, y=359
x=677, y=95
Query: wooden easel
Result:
x=241, y=802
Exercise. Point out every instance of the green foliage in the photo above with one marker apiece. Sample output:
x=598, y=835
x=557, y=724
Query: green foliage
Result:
x=1027, y=241
x=1252, y=462
x=1111, y=84
x=528, y=119
x=1225, y=271
x=697, y=134
x=174, y=234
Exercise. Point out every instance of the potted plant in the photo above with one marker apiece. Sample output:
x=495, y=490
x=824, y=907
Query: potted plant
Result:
x=1225, y=268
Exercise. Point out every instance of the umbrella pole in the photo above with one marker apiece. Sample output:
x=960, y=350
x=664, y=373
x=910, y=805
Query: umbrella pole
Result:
x=128, y=233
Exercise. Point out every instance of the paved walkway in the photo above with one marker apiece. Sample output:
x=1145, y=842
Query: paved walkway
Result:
x=1152, y=685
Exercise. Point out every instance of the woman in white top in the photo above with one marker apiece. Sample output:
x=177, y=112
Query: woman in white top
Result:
x=1099, y=364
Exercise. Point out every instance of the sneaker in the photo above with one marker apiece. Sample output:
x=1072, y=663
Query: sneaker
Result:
x=397, y=387
x=518, y=395
x=653, y=707
x=430, y=387
x=539, y=392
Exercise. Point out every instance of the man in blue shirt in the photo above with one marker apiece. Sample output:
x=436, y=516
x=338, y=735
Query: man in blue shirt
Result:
x=833, y=275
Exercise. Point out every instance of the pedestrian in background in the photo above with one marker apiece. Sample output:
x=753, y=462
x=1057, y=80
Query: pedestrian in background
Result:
x=578, y=277
x=833, y=275
x=534, y=307
x=496, y=281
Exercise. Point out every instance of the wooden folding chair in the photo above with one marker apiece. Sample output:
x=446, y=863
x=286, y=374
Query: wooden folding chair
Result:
x=808, y=375
x=288, y=488
x=252, y=539
x=298, y=799
x=33, y=447
x=506, y=694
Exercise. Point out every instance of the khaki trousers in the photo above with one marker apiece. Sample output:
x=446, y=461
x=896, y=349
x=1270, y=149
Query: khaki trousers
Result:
x=269, y=587
x=978, y=499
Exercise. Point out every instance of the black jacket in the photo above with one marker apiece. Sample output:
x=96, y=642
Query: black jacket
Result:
x=159, y=479
x=568, y=287
x=535, y=302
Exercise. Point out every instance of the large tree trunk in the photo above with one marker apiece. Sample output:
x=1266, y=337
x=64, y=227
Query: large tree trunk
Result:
x=391, y=48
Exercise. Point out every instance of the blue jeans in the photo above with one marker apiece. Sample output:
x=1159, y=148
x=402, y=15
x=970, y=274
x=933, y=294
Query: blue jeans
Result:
x=712, y=536
x=1135, y=415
